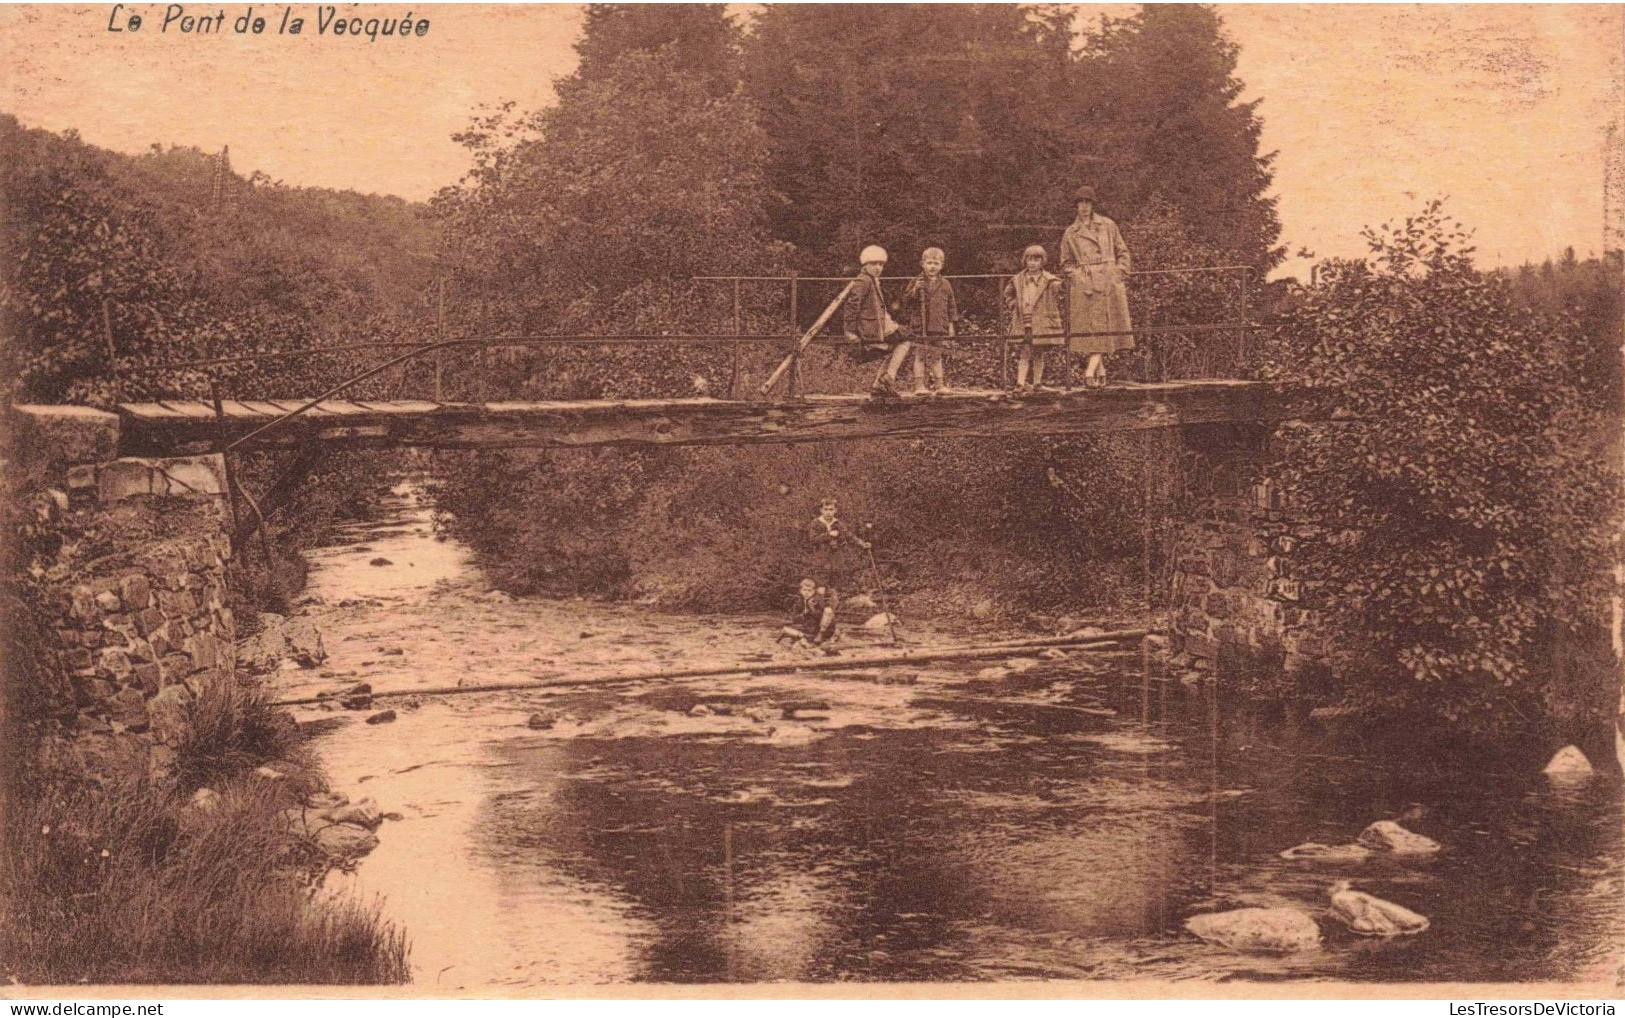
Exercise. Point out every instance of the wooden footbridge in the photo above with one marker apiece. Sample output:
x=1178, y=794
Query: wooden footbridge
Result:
x=179, y=427
x=334, y=419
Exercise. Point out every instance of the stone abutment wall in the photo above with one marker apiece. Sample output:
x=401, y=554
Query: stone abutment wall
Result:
x=1238, y=603
x=125, y=563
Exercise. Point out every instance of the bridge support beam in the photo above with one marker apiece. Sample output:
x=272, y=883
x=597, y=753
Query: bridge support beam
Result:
x=168, y=428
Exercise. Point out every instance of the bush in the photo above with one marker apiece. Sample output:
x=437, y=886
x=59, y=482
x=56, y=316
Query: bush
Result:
x=1462, y=480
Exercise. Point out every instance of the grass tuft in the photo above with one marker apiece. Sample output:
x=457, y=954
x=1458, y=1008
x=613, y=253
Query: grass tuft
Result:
x=132, y=886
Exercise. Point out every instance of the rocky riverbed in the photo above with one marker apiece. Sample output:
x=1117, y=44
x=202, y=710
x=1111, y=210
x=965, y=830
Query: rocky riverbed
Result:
x=1054, y=818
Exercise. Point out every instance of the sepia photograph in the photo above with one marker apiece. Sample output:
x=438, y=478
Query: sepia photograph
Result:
x=792, y=500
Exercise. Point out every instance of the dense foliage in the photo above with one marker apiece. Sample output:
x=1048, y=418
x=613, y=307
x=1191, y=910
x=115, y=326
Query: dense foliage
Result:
x=970, y=126
x=125, y=272
x=1466, y=481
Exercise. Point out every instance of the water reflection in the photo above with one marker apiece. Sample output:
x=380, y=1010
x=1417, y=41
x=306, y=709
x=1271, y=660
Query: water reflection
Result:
x=1059, y=821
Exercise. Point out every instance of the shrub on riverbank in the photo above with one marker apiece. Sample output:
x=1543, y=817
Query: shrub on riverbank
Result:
x=1469, y=480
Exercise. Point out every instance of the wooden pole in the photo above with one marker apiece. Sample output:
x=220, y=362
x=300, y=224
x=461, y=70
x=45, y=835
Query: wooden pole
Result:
x=733, y=376
x=1097, y=641
x=440, y=336
x=793, y=387
x=806, y=339
x=222, y=440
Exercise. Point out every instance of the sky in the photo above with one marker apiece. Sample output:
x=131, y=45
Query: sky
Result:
x=1374, y=109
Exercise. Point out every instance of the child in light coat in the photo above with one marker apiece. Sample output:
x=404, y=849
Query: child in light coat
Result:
x=1033, y=296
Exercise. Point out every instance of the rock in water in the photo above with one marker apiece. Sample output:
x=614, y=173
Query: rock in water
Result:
x=1327, y=853
x=700, y=710
x=305, y=643
x=383, y=717
x=1370, y=916
x=861, y=601
x=880, y=620
x=364, y=813
x=1568, y=761
x=1388, y=836
x=346, y=841
x=1263, y=930
x=380, y=561
x=542, y=720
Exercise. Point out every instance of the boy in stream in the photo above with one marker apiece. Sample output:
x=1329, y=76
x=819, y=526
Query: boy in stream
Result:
x=830, y=554
x=812, y=620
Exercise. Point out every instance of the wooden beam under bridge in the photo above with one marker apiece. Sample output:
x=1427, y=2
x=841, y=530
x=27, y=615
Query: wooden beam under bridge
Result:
x=171, y=428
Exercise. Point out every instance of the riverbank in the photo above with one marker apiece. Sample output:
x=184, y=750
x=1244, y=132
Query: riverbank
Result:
x=155, y=840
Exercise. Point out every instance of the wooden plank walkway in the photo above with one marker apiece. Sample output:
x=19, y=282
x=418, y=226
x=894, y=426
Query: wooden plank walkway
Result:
x=172, y=428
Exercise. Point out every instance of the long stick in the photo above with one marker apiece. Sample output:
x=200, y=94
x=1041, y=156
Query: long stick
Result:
x=1097, y=640
x=806, y=338
x=880, y=588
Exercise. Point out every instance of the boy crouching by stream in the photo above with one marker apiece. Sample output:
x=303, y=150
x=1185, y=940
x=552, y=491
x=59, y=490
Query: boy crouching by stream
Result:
x=812, y=617
x=932, y=311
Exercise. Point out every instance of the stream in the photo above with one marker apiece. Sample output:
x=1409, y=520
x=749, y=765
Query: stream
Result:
x=1030, y=819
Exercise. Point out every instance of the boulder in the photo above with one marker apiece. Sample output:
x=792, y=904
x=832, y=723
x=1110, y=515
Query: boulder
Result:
x=362, y=813
x=204, y=800
x=383, y=717
x=305, y=643
x=346, y=841
x=128, y=707
x=1260, y=930
x=1568, y=762
x=1053, y=654
x=700, y=710
x=880, y=620
x=1315, y=851
x=861, y=601
x=1388, y=836
x=1370, y=916
x=542, y=720
x=322, y=801
x=358, y=702
x=761, y=715
x=993, y=672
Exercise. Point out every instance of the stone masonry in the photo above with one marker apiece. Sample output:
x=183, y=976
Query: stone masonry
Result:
x=1236, y=597
x=130, y=575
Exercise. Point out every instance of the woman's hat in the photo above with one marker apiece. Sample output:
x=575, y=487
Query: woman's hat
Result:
x=1084, y=193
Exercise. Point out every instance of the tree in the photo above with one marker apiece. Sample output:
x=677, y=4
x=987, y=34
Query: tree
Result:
x=910, y=125
x=1158, y=112
x=593, y=215
x=696, y=39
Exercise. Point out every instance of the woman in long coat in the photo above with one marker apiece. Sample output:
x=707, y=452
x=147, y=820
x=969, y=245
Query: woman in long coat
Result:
x=1096, y=263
